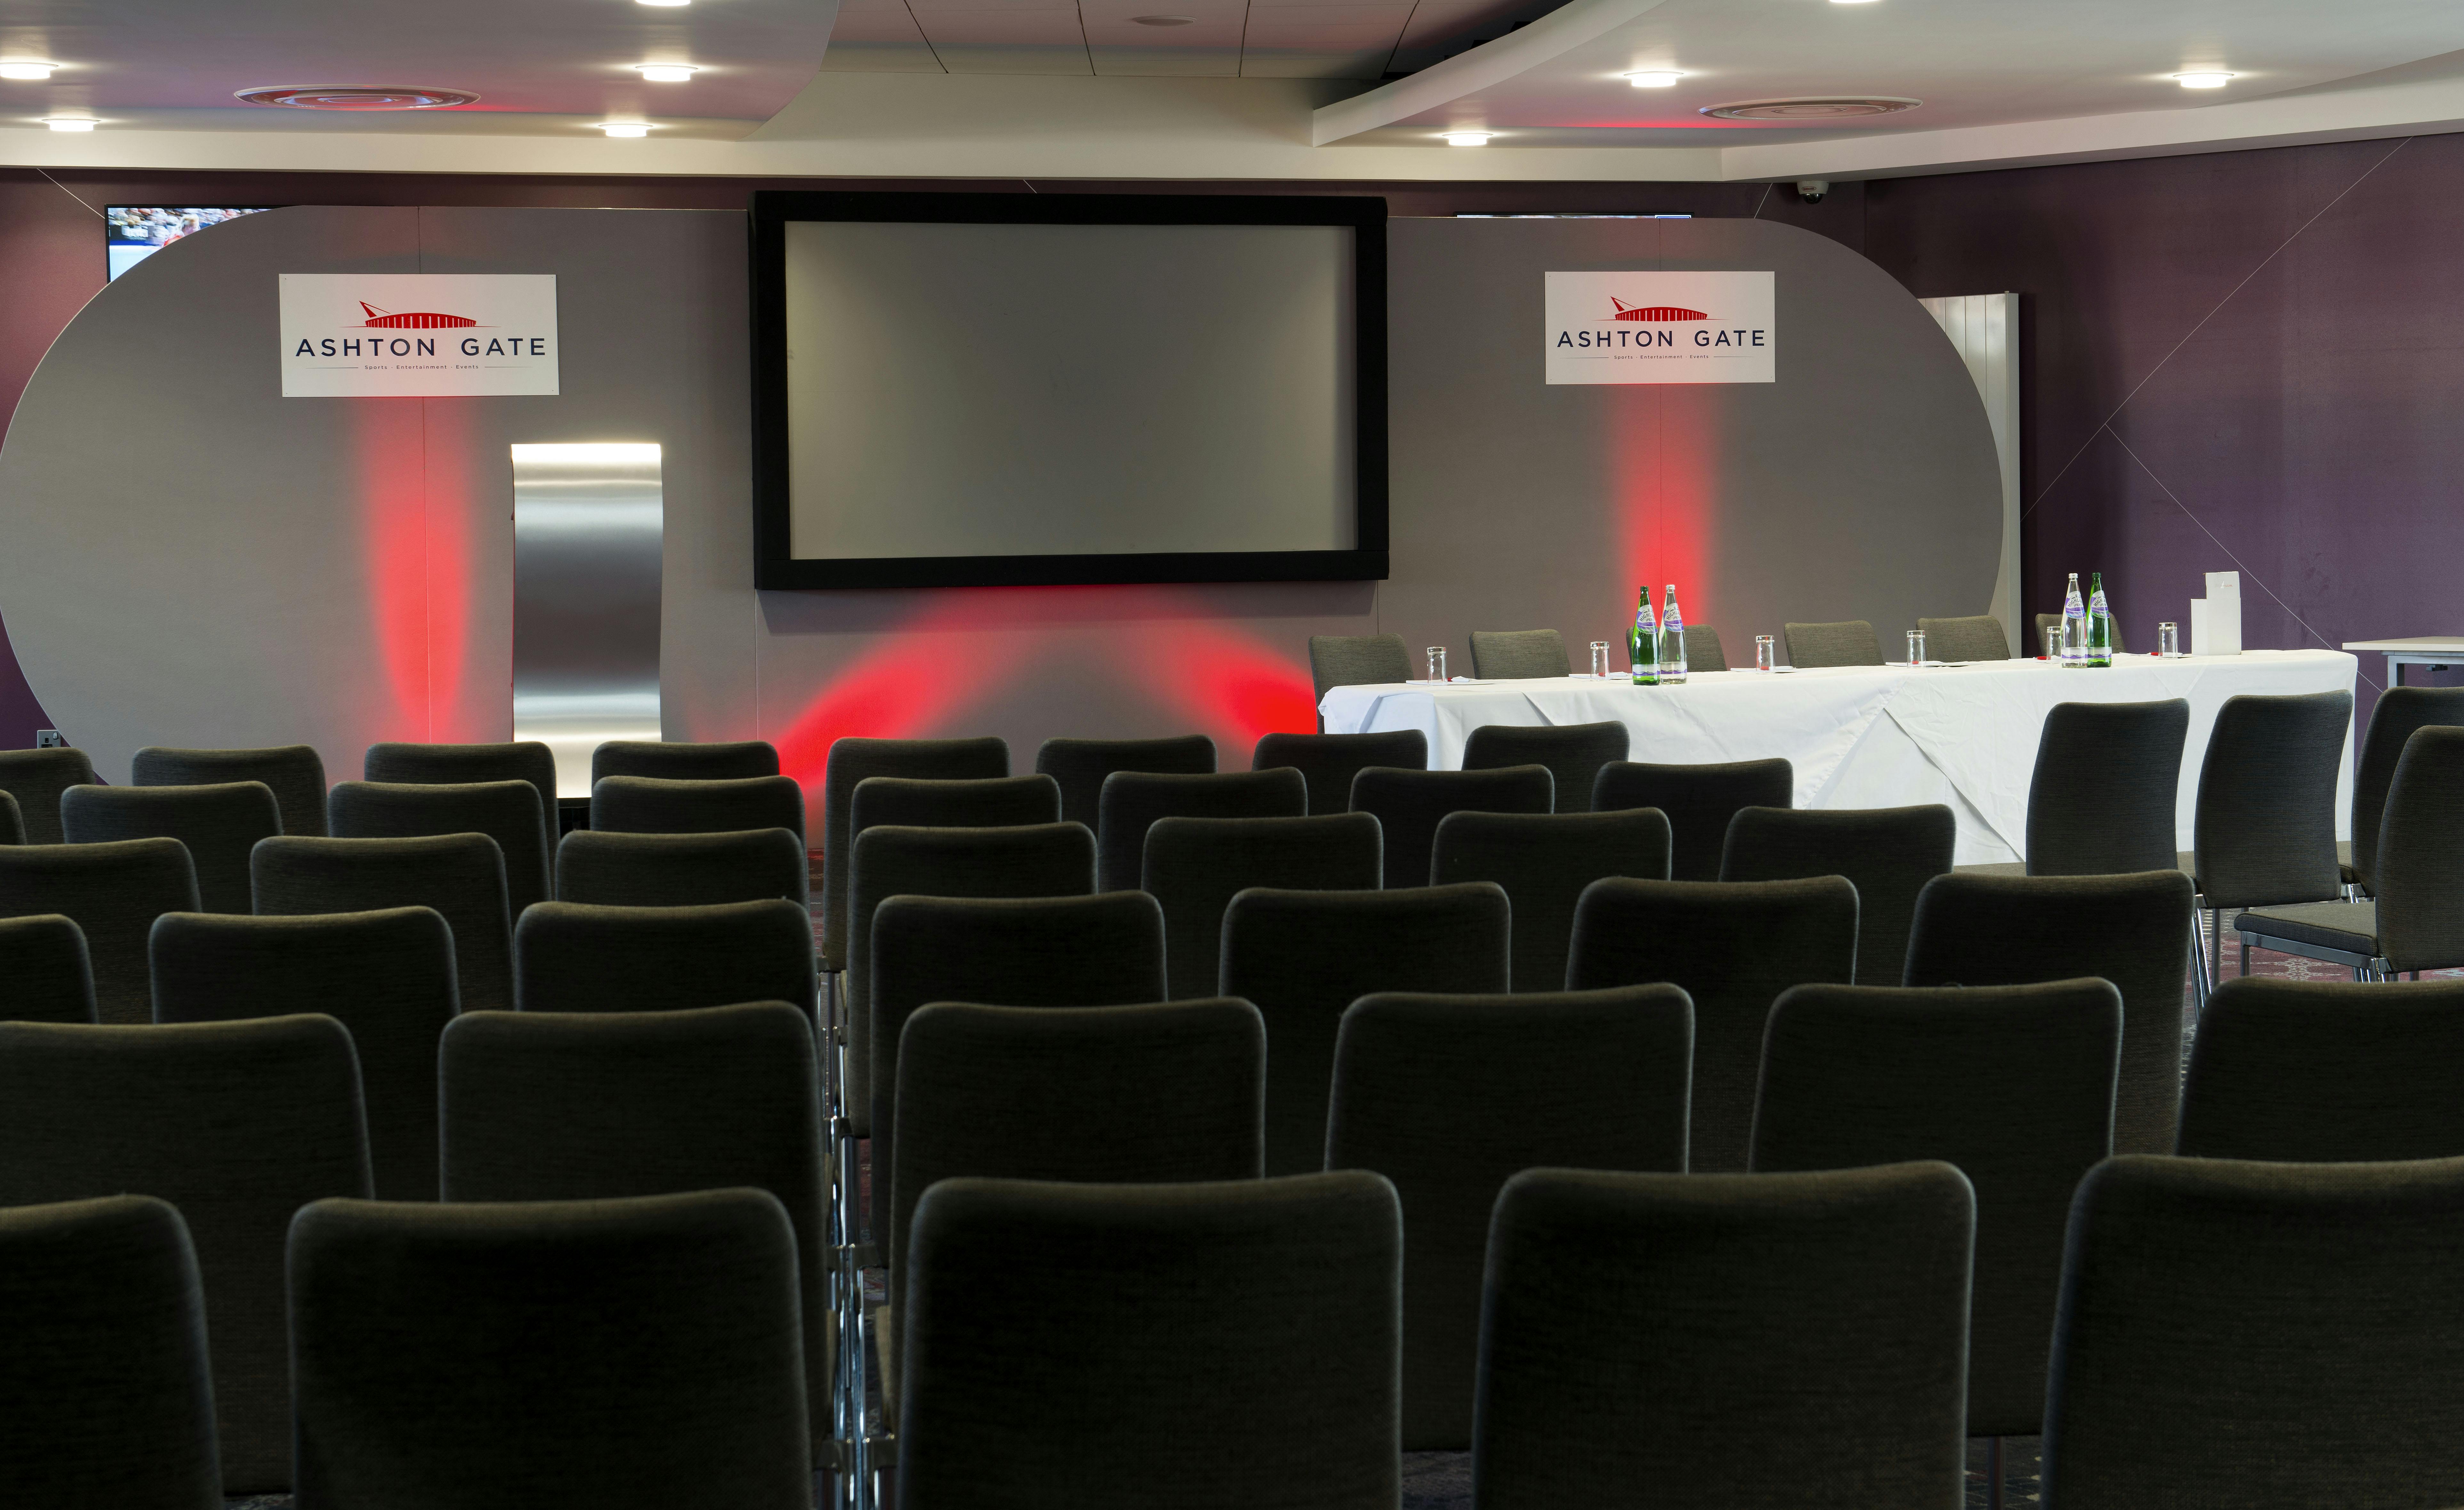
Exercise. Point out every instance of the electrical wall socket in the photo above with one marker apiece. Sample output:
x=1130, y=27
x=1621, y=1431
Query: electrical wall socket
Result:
x=49, y=740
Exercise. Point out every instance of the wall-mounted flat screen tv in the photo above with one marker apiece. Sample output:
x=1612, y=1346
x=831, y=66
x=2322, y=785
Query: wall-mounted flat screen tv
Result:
x=954, y=390
x=134, y=232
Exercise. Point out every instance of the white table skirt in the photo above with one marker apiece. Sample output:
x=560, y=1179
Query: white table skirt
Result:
x=1867, y=736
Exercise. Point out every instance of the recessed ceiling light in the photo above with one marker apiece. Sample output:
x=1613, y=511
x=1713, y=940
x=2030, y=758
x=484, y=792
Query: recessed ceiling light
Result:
x=26, y=69
x=69, y=123
x=665, y=72
x=626, y=127
x=1654, y=78
x=663, y=2
x=2206, y=78
x=1163, y=20
x=1466, y=137
x=1850, y=2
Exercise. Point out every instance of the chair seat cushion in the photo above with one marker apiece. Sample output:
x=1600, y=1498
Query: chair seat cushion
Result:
x=2352, y=927
x=2006, y=868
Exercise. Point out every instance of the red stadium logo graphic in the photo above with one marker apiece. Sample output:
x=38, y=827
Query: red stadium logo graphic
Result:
x=380, y=319
x=1655, y=313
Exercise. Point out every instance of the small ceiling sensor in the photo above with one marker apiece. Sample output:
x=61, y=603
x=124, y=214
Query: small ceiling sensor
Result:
x=2205, y=78
x=1655, y=79
x=1163, y=20
x=665, y=73
x=26, y=69
x=626, y=127
x=1467, y=137
x=70, y=123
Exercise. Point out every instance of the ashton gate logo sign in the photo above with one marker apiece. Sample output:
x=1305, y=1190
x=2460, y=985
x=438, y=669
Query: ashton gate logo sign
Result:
x=1659, y=327
x=413, y=334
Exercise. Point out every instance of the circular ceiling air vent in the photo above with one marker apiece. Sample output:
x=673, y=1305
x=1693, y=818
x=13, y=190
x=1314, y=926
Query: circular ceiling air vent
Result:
x=356, y=96
x=1812, y=111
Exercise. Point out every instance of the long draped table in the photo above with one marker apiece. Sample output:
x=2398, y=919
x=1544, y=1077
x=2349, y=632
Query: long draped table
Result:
x=1867, y=736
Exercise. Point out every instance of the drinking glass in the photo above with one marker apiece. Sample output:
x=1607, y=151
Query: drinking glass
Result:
x=1600, y=659
x=2169, y=638
x=1437, y=663
x=1762, y=652
x=1916, y=647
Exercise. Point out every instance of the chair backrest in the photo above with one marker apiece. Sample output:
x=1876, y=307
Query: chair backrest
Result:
x=507, y=812
x=679, y=761
x=2420, y=858
x=1572, y=752
x=2049, y=635
x=1080, y=766
x=1703, y=649
x=661, y=805
x=1514, y=654
x=570, y=956
x=2400, y=711
x=44, y=973
x=387, y=976
x=1351, y=661
x=1727, y=1340
x=218, y=825
x=2013, y=1084
x=1131, y=802
x=1328, y=761
x=1044, y=860
x=1976, y=636
x=1698, y=800
x=1232, y=1315
x=1305, y=956
x=1195, y=866
x=2132, y=930
x=1449, y=1097
x=1544, y=860
x=236, y=1123
x=104, y=1382
x=2106, y=787
x=658, y=1358
x=1888, y=853
x=985, y=802
x=1151, y=1094
x=1409, y=805
x=37, y=778
x=2216, y=1312
x=462, y=764
x=1733, y=948
x=295, y=773
x=589, y=1106
x=113, y=893
x=1102, y=950
x=2326, y=1072
x=1847, y=642
x=852, y=761
x=462, y=875
x=2265, y=828
x=682, y=870
x=12, y=820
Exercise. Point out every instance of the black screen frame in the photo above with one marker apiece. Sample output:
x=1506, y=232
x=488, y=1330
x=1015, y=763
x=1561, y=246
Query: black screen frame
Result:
x=776, y=566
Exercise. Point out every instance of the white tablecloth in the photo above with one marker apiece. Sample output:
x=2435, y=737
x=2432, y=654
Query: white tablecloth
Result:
x=1867, y=736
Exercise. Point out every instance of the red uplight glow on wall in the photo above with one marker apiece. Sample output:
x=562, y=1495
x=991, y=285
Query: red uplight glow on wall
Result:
x=1229, y=682
x=1666, y=453
x=419, y=556
x=903, y=687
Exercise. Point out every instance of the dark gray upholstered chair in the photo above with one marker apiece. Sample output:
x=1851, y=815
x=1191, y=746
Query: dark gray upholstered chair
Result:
x=1305, y=956
x=113, y=893
x=12, y=820
x=462, y=764
x=1698, y=801
x=44, y=974
x=2132, y=930
x=236, y=1123
x=462, y=875
x=2218, y=1314
x=1328, y=761
x=2108, y=781
x=657, y=1360
x=295, y=773
x=1351, y=661
x=1733, y=948
x=1247, y=1355
x=387, y=976
x=990, y=801
x=2264, y=831
x=853, y=760
x=2400, y=711
x=2049, y=635
x=1080, y=766
x=1409, y=805
x=1888, y=853
x=37, y=778
x=1572, y=752
x=1703, y=649
x=1544, y=860
x=103, y=1382
x=1044, y=860
x=1976, y=636
x=1848, y=642
x=1195, y=866
x=2326, y=1072
x=507, y=812
x=2013, y=1084
x=679, y=761
x=1518, y=654
x=681, y=870
x=1741, y=1341
x=2416, y=921
x=660, y=805
x=218, y=824
x=1102, y=950
x=1449, y=1097
x=572, y=957
x=597, y=1105
x=1133, y=801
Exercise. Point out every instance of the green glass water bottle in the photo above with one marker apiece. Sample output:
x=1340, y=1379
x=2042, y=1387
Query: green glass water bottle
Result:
x=1642, y=643
x=2099, y=623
